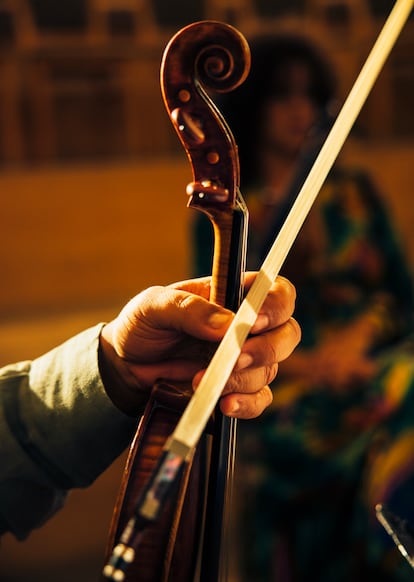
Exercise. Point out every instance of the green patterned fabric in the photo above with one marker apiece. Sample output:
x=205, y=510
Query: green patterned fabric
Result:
x=312, y=468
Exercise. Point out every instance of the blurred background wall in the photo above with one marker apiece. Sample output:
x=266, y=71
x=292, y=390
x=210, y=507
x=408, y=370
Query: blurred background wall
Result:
x=92, y=183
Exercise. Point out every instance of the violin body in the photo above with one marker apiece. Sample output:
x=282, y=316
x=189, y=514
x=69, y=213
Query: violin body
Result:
x=160, y=557
x=185, y=543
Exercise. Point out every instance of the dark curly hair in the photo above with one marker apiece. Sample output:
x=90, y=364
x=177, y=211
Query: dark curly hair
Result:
x=271, y=56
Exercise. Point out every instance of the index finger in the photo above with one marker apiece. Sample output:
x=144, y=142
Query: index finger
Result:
x=278, y=306
x=200, y=286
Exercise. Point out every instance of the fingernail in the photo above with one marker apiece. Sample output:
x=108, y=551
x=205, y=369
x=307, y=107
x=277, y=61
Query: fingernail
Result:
x=261, y=322
x=244, y=361
x=218, y=319
x=234, y=409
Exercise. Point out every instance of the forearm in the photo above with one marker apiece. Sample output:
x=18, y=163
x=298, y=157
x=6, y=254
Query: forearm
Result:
x=58, y=430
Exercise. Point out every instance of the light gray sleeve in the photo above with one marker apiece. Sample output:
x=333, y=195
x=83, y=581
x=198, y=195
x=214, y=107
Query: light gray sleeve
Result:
x=58, y=430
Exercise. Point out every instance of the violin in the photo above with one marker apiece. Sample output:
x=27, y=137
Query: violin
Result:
x=202, y=58
x=165, y=525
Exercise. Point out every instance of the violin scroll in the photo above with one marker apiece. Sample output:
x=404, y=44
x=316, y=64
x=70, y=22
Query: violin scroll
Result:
x=205, y=57
x=223, y=68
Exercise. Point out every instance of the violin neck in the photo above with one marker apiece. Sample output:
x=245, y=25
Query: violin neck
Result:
x=228, y=267
x=229, y=260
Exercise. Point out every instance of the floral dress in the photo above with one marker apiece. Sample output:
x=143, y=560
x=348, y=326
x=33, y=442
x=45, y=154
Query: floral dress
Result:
x=312, y=468
x=315, y=465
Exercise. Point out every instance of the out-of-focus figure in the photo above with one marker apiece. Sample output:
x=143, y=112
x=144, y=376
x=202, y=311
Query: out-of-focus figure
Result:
x=340, y=435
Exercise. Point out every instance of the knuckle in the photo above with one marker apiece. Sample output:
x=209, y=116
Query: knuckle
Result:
x=270, y=373
x=258, y=402
x=297, y=331
x=281, y=301
x=185, y=300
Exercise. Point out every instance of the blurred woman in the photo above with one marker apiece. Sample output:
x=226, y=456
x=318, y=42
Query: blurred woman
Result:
x=339, y=436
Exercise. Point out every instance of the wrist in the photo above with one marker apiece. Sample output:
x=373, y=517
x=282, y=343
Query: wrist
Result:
x=120, y=384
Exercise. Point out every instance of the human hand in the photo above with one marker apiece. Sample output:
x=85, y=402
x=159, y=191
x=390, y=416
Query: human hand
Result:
x=166, y=333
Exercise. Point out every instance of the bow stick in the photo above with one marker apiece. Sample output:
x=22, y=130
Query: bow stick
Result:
x=181, y=443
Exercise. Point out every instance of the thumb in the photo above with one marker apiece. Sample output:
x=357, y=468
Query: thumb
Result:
x=170, y=310
x=194, y=315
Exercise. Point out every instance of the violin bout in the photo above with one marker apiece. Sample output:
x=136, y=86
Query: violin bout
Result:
x=163, y=553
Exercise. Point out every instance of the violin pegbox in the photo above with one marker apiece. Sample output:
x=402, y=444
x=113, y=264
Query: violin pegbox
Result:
x=204, y=58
